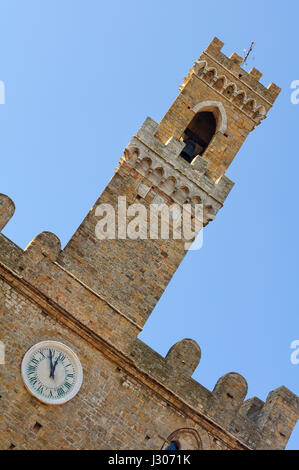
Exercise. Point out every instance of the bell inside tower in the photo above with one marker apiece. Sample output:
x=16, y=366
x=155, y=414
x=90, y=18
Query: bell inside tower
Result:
x=198, y=135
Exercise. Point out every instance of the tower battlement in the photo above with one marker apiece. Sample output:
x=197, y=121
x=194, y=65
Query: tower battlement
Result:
x=239, y=102
x=250, y=80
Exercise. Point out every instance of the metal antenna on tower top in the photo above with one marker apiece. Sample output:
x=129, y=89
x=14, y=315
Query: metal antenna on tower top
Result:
x=247, y=53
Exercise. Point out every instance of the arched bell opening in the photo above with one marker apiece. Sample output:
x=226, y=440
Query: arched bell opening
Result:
x=198, y=135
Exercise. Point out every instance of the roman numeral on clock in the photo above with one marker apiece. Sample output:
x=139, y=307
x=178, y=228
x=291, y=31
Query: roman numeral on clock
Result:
x=33, y=380
x=61, y=357
x=31, y=369
x=67, y=385
x=40, y=389
x=60, y=392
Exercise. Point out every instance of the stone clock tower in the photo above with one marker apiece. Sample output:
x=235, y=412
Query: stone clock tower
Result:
x=75, y=374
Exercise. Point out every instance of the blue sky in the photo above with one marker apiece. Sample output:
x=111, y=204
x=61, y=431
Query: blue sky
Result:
x=81, y=76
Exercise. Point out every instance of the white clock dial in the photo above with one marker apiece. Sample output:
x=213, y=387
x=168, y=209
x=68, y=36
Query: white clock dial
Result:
x=52, y=372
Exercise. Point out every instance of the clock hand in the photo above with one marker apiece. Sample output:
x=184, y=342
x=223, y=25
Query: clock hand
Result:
x=51, y=365
x=54, y=366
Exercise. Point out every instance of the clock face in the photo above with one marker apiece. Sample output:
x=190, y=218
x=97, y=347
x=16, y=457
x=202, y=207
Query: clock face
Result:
x=52, y=372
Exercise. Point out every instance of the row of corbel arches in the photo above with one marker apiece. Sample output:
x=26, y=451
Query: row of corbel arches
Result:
x=169, y=185
x=230, y=90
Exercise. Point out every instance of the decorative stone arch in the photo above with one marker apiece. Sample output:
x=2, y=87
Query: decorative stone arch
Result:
x=169, y=185
x=217, y=108
x=221, y=79
x=250, y=105
x=196, y=200
x=181, y=194
x=260, y=113
x=210, y=75
x=212, y=69
x=131, y=154
x=230, y=90
x=185, y=439
x=200, y=67
x=240, y=98
x=132, y=150
x=156, y=175
x=144, y=165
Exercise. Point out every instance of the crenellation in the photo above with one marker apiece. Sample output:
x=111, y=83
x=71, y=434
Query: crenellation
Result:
x=231, y=389
x=46, y=244
x=251, y=408
x=184, y=357
x=7, y=209
x=236, y=59
x=11, y=254
x=278, y=416
x=215, y=46
x=274, y=90
x=225, y=404
x=255, y=73
x=232, y=89
x=233, y=66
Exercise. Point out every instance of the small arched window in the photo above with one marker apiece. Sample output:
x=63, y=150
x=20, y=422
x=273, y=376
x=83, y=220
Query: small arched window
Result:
x=183, y=439
x=198, y=135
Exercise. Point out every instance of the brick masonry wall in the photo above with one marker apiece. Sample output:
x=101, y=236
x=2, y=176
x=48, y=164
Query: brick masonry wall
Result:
x=143, y=396
x=112, y=410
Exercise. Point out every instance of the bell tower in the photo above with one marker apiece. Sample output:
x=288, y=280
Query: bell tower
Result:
x=217, y=86
x=183, y=159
